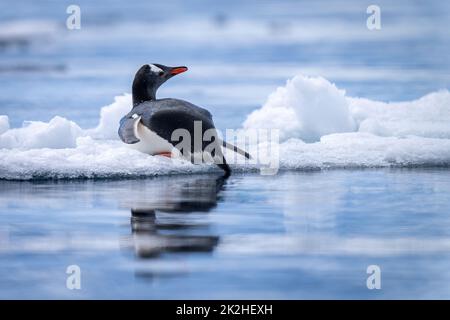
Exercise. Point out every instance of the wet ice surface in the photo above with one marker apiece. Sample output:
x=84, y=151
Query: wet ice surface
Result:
x=294, y=235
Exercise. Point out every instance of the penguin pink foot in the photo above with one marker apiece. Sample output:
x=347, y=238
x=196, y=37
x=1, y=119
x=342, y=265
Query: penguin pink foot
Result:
x=165, y=154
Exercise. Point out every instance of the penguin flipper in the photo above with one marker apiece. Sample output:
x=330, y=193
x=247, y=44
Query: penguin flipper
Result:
x=127, y=129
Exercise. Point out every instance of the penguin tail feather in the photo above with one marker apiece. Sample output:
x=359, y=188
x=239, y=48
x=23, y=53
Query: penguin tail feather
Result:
x=236, y=149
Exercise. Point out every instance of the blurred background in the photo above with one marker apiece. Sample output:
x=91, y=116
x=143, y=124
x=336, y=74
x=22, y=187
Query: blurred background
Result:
x=237, y=52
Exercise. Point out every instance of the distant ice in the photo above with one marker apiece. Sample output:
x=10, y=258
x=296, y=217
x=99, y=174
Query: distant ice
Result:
x=4, y=124
x=27, y=29
x=23, y=33
x=320, y=127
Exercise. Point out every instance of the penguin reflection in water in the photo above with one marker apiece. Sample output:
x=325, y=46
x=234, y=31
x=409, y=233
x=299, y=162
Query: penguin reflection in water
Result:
x=162, y=222
x=149, y=127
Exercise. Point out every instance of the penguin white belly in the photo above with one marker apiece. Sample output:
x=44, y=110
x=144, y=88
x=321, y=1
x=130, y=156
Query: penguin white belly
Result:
x=150, y=142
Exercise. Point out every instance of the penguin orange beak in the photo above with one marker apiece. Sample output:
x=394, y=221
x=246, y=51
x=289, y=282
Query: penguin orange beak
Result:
x=178, y=70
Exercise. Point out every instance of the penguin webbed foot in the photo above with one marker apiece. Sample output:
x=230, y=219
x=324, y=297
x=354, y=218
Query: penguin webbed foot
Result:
x=164, y=154
x=226, y=168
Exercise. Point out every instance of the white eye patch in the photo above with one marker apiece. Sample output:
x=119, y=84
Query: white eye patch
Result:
x=155, y=69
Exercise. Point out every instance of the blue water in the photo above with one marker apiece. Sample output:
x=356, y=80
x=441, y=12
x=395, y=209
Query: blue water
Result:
x=293, y=235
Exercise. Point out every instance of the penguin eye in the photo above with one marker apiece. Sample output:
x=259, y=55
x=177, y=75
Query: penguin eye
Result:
x=160, y=73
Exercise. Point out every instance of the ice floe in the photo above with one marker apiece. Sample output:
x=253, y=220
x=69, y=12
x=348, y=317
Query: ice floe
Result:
x=319, y=125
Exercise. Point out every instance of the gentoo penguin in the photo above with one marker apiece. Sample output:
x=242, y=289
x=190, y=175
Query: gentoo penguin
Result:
x=150, y=125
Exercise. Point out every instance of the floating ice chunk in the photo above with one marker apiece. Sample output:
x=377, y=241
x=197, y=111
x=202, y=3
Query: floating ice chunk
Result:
x=88, y=159
x=110, y=116
x=112, y=159
x=306, y=108
x=309, y=108
x=320, y=128
x=428, y=116
x=57, y=133
x=364, y=150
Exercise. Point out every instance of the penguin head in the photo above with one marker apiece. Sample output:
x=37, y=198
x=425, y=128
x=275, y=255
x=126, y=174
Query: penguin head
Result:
x=149, y=78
